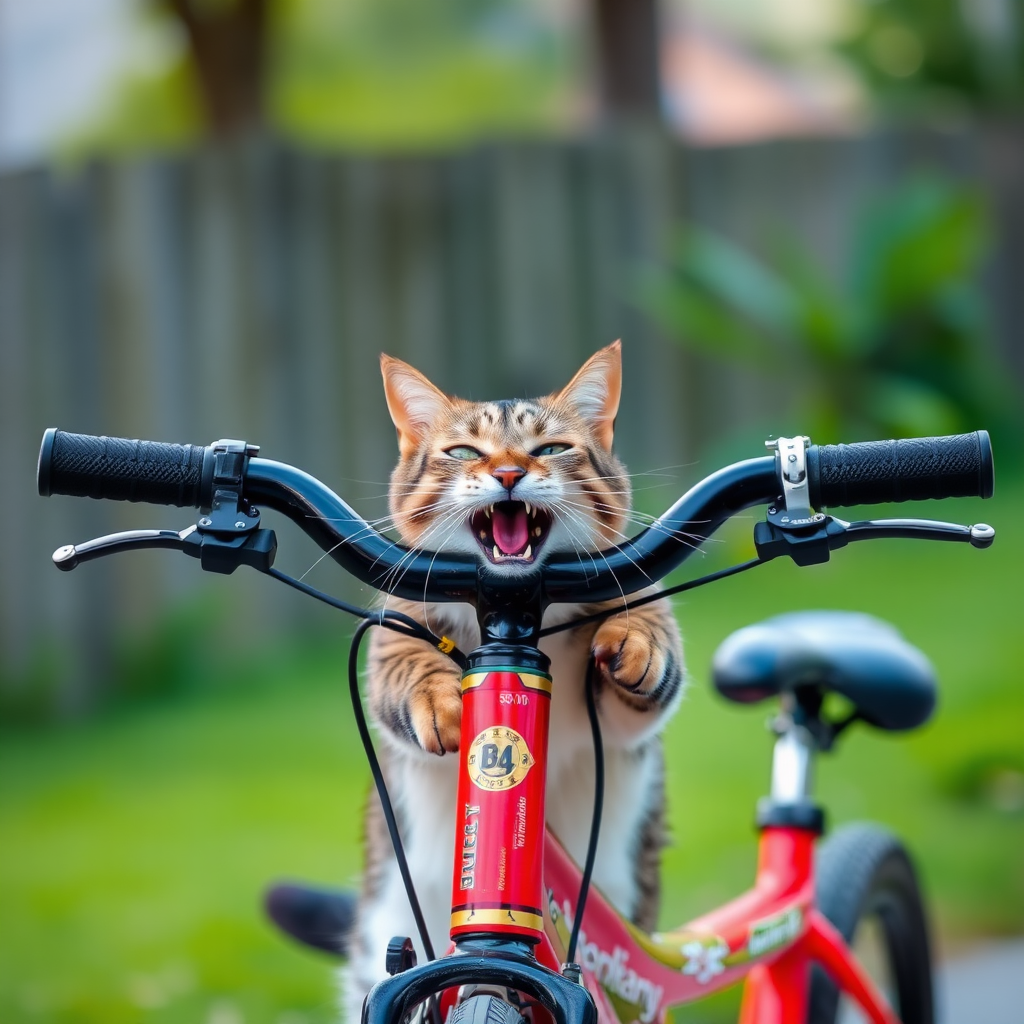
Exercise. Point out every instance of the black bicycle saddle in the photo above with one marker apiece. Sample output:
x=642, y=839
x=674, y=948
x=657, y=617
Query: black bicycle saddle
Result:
x=890, y=682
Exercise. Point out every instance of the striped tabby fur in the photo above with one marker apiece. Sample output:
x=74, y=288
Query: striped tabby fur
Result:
x=457, y=459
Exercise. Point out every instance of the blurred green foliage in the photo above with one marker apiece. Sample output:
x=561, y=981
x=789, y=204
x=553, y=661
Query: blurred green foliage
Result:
x=143, y=664
x=941, y=55
x=155, y=109
x=365, y=73
x=397, y=72
x=897, y=349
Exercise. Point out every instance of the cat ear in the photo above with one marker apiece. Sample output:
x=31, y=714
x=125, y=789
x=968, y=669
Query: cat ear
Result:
x=414, y=403
x=595, y=390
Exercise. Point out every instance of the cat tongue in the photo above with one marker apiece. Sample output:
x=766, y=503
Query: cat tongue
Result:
x=510, y=529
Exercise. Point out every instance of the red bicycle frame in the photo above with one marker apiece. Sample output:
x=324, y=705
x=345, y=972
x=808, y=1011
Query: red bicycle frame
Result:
x=513, y=878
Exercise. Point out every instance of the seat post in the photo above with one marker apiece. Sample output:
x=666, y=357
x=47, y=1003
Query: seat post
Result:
x=792, y=762
x=791, y=801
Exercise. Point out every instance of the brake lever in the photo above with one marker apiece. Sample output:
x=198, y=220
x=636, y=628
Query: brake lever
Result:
x=794, y=528
x=226, y=536
x=70, y=556
x=217, y=549
x=810, y=538
x=980, y=535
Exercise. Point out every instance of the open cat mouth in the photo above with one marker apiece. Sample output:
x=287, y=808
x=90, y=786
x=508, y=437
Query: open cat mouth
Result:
x=511, y=530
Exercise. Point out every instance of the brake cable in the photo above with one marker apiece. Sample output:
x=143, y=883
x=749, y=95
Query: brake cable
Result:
x=721, y=574
x=595, y=819
x=382, y=789
x=387, y=618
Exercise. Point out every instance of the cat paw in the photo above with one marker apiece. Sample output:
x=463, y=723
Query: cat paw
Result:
x=628, y=657
x=435, y=713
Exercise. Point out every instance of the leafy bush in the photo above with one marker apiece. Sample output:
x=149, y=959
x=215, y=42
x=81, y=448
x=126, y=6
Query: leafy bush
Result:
x=944, y=55
x=897, y=349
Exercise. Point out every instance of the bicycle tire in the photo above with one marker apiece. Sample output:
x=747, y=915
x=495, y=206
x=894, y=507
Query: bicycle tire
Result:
x=865, y=875
x=484, y=1009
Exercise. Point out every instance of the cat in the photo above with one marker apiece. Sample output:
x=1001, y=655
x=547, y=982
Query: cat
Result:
x=552, y=457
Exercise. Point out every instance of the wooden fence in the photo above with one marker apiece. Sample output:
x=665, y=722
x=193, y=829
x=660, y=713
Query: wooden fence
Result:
x=247, y=293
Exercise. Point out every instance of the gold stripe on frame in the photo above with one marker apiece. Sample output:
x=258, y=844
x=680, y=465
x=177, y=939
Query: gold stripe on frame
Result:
x=528, y=679
x=520, y=918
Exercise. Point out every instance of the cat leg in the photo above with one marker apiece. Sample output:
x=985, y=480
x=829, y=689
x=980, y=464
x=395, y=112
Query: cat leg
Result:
x=415, y=692
x=423, y=794
x=639, y=680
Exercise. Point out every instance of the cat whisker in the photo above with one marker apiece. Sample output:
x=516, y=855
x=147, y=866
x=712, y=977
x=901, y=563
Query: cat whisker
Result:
x=441, y=506
x=646, y=521
x=627, y=476
x=612, y=529
x=580, y=550
x=601, y=479
x=626, y=491
x=330, y=551
x=373, y=525
x=622, y=593
x=394, y=576
x=381, y=523
x=576, y=516
x=426, y=603
x=580, y=522
x=380, y=582
x=369, y=528
x=670, y=472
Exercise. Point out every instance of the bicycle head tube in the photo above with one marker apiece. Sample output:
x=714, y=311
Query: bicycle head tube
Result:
x=497, y=882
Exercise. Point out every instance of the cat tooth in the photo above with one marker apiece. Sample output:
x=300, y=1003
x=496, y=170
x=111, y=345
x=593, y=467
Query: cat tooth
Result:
x=497, y=553
x=488, y=511
x=537, y=531
x=529, y=510
x=483, y=535
x=528, y=553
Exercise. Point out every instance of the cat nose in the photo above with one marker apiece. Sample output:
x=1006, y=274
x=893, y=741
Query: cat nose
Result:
x=508, y=476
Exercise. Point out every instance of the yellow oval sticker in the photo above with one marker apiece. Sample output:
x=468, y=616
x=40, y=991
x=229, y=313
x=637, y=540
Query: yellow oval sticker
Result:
x=498, y=759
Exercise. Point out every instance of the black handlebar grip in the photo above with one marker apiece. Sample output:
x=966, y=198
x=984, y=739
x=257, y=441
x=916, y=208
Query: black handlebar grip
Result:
x=872, y=472
x=122, y=470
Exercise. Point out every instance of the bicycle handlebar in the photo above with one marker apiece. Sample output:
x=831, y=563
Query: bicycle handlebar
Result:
x=183, y=475
x=85, y=466
x=873, y=472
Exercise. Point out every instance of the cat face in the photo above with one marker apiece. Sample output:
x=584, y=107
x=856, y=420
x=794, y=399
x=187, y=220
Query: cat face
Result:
x=508, y=482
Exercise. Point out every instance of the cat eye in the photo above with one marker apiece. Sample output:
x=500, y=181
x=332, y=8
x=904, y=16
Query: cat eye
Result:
x=550, y=449
x=463, y=451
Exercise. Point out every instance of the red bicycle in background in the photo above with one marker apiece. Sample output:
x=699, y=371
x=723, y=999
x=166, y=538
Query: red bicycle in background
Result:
x=529, y=940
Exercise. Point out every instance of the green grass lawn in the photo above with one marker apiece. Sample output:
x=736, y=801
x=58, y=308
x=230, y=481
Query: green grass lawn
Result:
x=135, y=847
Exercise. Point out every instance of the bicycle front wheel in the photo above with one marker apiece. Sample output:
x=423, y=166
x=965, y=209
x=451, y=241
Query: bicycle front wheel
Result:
x=867, y=888
x=484, y=1009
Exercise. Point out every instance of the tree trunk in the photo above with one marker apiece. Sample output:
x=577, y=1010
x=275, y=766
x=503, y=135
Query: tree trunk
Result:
x=627, y=57
x=228, y=44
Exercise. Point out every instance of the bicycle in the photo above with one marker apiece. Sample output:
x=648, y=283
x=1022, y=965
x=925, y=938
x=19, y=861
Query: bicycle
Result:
x=536, y=943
